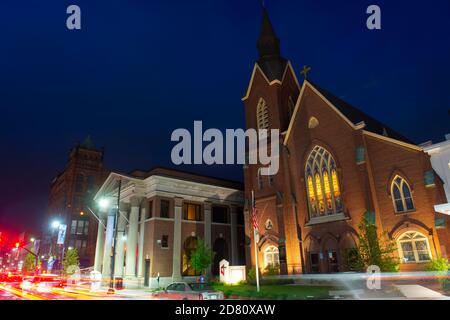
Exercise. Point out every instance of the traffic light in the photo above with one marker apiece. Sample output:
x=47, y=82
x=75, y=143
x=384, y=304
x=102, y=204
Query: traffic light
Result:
x=17, y=244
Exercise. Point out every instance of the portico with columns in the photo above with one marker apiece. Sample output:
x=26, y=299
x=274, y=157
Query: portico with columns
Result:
x=163, y=213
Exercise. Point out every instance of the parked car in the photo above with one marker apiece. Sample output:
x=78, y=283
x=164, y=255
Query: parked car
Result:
x=189, y=291
x=43, y=283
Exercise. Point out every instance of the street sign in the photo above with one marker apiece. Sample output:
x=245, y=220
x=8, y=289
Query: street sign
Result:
x=61, y=234
x=36, y=245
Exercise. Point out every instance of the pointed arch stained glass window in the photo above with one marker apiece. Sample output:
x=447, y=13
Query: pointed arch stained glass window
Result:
x=323, y=187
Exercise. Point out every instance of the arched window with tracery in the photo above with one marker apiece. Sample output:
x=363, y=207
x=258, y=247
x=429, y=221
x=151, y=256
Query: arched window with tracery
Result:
x=262, y=114
x=414, y=247
x=322, y=184
x=271, y=257
x=401, y=195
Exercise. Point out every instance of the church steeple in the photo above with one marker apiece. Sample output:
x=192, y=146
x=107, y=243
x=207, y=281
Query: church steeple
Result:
x=268, y=43
x=270, y=59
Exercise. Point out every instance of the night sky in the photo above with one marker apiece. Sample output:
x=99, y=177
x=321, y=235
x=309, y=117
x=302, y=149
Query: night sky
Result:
x=140, y=69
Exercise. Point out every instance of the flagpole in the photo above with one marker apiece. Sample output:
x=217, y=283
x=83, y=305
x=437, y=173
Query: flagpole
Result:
x=256, y=246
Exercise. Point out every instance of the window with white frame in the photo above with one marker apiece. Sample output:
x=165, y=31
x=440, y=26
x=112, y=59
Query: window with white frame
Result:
x=271, y=257
x=414, y=248
x=401, y=195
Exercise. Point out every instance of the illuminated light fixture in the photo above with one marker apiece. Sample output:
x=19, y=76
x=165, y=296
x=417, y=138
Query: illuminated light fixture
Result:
x=124, y=237
x=69, y=248
x=17, y=244
x=81, y=213
x=103, y=203
x=32, y=240
x=55, y=224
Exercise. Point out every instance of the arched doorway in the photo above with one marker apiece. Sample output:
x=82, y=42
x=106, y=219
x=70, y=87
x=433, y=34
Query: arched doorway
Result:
x=190, y=244
x=220, y=249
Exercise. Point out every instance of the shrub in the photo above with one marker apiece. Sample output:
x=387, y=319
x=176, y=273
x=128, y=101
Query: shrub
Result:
x=251, y=275
x=272, y=270
x=440, y=266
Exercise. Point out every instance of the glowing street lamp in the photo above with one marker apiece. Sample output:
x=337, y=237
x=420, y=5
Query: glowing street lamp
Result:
x=103, y=203
x=32, y=240
x=55, y=224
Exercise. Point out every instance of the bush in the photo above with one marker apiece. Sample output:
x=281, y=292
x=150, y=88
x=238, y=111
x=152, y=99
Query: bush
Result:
x=251, y=275
x=440, y=266
x=272, y=270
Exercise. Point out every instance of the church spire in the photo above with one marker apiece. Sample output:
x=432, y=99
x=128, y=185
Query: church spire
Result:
x=270, y=59
x=268, y=44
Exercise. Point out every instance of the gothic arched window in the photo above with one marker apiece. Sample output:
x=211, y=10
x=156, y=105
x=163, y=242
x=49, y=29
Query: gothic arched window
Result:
x=271, y=257
x=322, y=184
x=401, y=195
x=262, y=114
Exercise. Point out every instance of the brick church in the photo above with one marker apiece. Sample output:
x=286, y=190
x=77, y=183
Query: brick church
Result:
x=337, y=165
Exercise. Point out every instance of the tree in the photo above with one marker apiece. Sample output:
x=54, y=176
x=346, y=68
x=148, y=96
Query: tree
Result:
x=202, y=257
x=373, y=249
x=29, y=264
x=71, y=261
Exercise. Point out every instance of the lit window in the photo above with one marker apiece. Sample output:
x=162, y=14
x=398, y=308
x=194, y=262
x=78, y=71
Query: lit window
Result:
x=322, y=181
x=401, y=195
x=413, y=247
x=191, y=211
x=262, y=114
x=271, y=257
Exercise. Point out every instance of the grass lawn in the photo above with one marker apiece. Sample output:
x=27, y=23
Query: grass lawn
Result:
x=296, y=292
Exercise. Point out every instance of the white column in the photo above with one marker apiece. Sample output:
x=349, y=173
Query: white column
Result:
x=207, y=230
x=141, y=241
x=234, y=246
x=176, y=259
x=99, y=247
x=132, y=238
x=106, y=272
x=120, y=246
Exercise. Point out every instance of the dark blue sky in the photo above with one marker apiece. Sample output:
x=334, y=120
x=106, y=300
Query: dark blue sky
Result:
x=139, y=69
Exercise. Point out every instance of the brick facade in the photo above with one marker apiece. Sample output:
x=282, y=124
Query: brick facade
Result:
x=367, y=156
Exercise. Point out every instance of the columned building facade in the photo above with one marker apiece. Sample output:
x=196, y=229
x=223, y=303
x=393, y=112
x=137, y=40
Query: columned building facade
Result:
x=163, y=213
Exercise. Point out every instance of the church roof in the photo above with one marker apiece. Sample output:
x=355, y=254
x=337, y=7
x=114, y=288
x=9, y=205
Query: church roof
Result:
x=356, y=116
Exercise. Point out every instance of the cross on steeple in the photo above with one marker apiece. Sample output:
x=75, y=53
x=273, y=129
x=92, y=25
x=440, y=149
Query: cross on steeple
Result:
x=305, y=71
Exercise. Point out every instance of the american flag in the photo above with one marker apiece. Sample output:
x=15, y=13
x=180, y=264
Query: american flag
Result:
x=254, y=220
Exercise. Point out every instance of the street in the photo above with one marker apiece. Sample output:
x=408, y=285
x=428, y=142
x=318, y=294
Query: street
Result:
x=11, y=292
